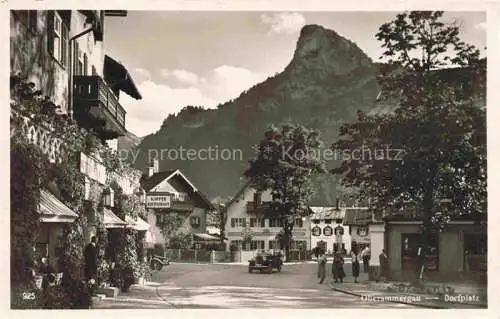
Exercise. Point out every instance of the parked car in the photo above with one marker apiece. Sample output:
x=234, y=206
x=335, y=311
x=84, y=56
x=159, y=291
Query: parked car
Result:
x=266, y=263
x=157, y=262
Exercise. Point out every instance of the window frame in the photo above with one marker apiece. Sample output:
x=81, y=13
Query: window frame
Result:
x=59, y=36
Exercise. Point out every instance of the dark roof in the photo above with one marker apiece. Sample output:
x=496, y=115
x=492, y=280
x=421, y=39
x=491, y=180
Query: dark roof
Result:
x=149, y=182
x=118, y=77
x=357, y=216
x=239, y=193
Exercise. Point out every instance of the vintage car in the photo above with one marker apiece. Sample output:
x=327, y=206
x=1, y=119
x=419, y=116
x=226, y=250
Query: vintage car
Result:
x=265, y=262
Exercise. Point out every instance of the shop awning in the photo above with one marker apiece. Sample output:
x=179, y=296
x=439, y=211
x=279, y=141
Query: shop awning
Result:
x=138, y=224
x=112, y=221
x=204, y=236
x=52, y=210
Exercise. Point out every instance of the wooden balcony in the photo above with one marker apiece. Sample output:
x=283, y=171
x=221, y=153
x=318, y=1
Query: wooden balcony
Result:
x=96, y=107
x=257, y=209
x=40, y=135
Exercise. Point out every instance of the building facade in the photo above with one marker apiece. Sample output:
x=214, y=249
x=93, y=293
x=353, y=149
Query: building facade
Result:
x=328, y=231
x=62, y=53
x=459, y=249
x=248, y=229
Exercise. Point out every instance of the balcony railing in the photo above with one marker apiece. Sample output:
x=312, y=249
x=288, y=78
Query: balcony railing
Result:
x=257, y=209
x=40, y=135
x=94, y=99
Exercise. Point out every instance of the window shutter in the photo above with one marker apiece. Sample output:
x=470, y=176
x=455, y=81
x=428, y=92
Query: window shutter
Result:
x=50, y=32
x=64, y=44
x=75, y=59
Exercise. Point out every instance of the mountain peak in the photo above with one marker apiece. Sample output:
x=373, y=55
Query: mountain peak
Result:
x=318, y=48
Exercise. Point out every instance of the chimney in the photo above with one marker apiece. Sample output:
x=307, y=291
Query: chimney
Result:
x=337, y=204
x=155, y=164
x=150, y=171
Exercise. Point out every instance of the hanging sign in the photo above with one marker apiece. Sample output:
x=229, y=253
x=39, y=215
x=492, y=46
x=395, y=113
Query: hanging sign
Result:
x=339, y=231
x=327, y=231
x=316, y=231
x=158, y=200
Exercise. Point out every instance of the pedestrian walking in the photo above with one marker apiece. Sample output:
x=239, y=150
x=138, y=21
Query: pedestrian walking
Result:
x=91, y=262
x=366, y=255
x=322, y=267
x=355, y=264
x=384, y=266
x=338, y=267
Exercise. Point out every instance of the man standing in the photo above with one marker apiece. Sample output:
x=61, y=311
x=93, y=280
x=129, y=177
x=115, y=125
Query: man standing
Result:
x=322, y=266
x=91, y=259
x=384, y=266
x=366, y=255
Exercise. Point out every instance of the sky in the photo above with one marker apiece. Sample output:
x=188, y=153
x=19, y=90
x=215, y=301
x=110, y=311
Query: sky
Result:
x=180, y=58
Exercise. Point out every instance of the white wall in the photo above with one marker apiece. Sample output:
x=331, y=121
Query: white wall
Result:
x=376, y=243
x=330, y=240
x=238, y=209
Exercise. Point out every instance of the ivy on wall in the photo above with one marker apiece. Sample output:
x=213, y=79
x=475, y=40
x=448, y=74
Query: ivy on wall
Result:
x=31, y=171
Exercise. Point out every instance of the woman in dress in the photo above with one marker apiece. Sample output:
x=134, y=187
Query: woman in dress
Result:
x=355, y=264
x=338, y=267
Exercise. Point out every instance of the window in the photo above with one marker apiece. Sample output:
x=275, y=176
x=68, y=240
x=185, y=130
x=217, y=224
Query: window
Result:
x=195, y=221
x=28, y=18
x=257, y=198
x=338, y=220
x=315, y=221
x=257, y=222
x=238, y=222
x=298, y=222
x=159, y=219
x=274, y=222
x=256, y=244
x=328, y=221
x=85, y=64
x=58, y=38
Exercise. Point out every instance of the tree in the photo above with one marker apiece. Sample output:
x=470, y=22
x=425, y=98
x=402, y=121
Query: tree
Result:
x=284, y=164
x=170, y=224
x=433, y=146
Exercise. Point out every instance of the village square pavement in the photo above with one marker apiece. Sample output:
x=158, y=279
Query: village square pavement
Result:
x=183, y=285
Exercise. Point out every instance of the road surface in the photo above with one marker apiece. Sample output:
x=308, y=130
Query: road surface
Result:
x=231, y=286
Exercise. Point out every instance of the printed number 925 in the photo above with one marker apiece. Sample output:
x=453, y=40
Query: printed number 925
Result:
x=29, y=296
